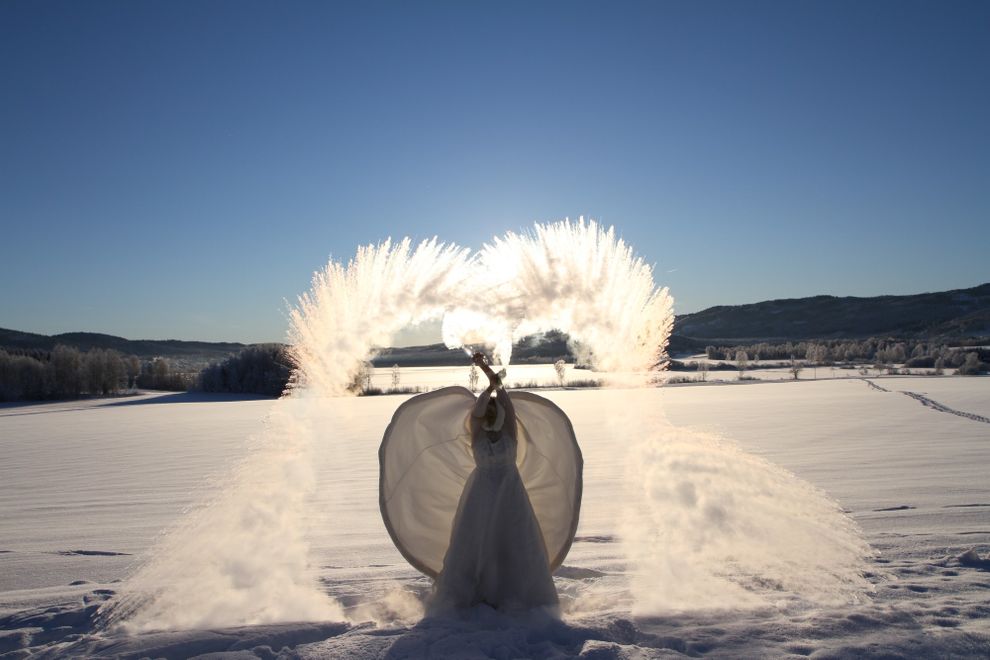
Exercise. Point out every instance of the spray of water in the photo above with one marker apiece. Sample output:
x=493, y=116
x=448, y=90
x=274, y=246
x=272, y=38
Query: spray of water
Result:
x=708, y=525
x=242, y=557
x=352, y=309
x=577, y=277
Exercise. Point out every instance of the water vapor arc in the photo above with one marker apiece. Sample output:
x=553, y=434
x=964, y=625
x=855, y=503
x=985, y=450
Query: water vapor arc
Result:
x=353, y=308
x=577, y=277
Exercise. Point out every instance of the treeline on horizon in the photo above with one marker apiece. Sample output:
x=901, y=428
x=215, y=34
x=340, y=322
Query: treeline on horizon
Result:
x=967, y=357
x=259, y=369
x=66, y=372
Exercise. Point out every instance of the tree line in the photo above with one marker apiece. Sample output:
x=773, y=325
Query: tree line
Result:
x=880, y=353
x=260, y=369
x=66, y=372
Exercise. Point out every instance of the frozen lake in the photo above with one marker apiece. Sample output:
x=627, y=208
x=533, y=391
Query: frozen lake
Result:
x=86, y=488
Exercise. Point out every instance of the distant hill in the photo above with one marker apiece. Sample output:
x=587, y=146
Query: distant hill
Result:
x=947, y=314
x=143, y=348
x=961, y=312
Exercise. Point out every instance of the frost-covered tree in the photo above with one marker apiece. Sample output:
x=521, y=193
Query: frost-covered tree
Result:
x=103, y=371
x=158, y=375
x=703, y=371
x=395, y=376
x=816, y=355
x=67, y=365
x=795, y=368
x=742, y=361
x=972, y=366
x=132, y=367
x=879, y=361
x=260, y=369
x=23, y=377
x=63, y=373
x=898, y=354
x=560, y=366
x=473, y=378
x=92, y=372
x=362, y=378
x=159, y=372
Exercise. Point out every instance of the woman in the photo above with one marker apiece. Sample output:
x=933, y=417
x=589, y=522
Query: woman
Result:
x=496, y=555
x=482, y=495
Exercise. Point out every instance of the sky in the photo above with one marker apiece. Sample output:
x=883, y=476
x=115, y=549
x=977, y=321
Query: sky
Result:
x=180, y=169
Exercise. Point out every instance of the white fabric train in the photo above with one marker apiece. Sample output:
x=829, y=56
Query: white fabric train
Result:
x=425, y=460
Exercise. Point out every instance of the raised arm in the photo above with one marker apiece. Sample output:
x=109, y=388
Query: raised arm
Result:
x=494, y=383
x=493, y=379
x=482, y=403
x=510, y=412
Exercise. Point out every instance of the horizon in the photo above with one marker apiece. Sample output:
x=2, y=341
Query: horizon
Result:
x=182, y=170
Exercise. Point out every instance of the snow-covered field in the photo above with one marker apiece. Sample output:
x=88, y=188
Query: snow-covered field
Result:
x=87, y=487
x=434, y=377
x=543, y=375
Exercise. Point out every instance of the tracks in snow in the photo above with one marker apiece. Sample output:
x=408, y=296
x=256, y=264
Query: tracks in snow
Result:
x=925, y=401
x=931, y=403
x=874, y=385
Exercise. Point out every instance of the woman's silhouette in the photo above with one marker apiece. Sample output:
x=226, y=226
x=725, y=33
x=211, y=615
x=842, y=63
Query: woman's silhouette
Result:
x=483, y=495
x=496, y=555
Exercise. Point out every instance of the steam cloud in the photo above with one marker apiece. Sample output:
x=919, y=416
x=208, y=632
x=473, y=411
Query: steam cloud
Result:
x=242, y=558
x=709, y=526
x=571, y=276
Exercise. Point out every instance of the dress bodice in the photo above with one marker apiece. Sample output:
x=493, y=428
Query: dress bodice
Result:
x=489, y=455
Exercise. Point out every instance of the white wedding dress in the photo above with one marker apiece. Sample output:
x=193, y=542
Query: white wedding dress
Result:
x=488, y=517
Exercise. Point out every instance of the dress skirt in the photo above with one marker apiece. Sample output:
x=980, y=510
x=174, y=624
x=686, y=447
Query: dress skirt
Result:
x=496, y=555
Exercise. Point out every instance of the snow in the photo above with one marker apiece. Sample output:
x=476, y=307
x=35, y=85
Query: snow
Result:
x=970, y=394
x=106, y=477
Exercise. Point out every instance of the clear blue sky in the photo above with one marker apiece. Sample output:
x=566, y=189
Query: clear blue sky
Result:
x=178, y=169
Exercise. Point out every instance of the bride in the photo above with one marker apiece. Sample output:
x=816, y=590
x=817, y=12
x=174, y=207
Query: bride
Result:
x=496, y=555
x=484, y=495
